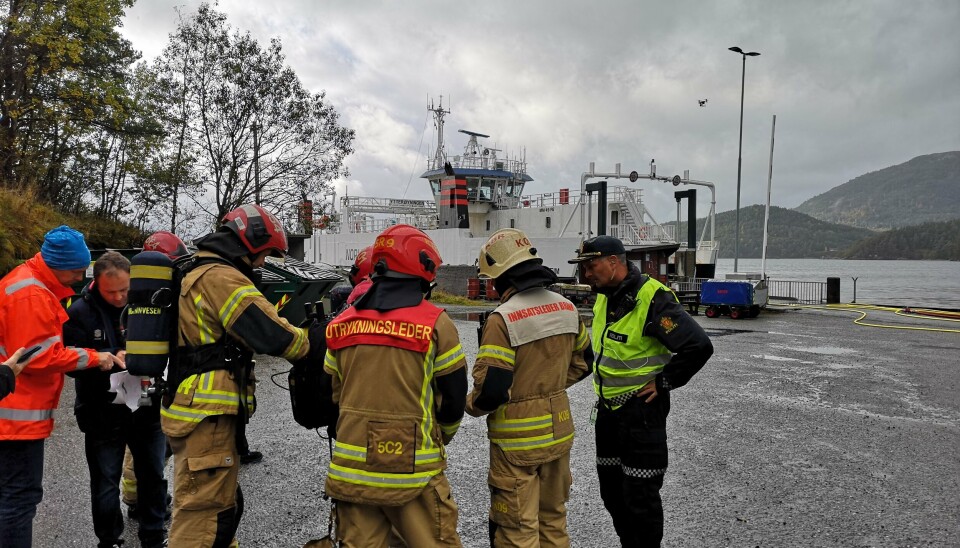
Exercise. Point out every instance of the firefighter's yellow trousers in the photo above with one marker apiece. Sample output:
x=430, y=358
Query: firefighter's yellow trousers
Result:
x=428, y=520
x=528, y=503
x=207, y=502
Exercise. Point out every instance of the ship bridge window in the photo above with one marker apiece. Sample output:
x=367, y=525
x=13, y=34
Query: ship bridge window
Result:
x=435, y=185
x=487, y=190
x=473, y=188
x=514, y=189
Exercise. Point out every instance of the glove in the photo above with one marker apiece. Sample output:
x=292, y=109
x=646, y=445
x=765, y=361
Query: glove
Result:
x=316, y=336
x=318, y=341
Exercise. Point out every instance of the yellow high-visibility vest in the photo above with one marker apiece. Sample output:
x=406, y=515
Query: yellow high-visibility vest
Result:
x=624, y=359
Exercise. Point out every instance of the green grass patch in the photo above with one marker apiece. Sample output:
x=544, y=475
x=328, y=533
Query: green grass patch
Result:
x=442, y=297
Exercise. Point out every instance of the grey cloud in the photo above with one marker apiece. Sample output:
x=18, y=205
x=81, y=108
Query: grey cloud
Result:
x=856, y=86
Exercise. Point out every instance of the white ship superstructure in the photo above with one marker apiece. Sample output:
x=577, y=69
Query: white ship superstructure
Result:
x=479, y=192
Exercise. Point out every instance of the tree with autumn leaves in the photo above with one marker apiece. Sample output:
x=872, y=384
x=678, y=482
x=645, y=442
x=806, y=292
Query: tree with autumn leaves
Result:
x=215, y=121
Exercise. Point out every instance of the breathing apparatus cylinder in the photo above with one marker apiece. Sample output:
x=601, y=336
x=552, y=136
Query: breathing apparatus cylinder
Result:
x=151, y=314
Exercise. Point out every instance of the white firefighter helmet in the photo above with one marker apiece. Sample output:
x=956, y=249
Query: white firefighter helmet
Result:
x=505, y=249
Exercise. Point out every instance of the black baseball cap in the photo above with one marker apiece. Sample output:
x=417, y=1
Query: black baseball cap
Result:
x=599, y=246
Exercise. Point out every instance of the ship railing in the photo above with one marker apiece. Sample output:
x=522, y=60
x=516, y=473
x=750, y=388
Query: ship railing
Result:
x=547, y=199
x=638, y=234
x=364, y=225
x=365, y=204
x=517, y=167
x=706, y=245
x=566, y=196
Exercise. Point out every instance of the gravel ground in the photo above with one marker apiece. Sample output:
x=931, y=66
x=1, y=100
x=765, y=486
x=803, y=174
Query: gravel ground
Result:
x=803, y=430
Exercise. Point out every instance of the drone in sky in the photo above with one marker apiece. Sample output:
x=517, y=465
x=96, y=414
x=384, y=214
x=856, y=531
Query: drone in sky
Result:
x=703, y=102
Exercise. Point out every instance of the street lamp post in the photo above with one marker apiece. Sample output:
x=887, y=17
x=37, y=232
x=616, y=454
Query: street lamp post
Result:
x=743, y=79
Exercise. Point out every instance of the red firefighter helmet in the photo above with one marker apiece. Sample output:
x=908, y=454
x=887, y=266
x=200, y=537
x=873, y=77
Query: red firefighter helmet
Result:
x=404, y=251
x=258, y=229
x=362, y=266
x=167, y=243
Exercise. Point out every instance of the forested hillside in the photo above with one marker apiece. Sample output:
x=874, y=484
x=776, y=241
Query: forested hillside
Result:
x=792, y=234
x=925, y=189
x=24, y=220
x=929, y=241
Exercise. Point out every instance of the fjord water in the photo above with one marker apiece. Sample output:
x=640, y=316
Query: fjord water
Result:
x=934, y=284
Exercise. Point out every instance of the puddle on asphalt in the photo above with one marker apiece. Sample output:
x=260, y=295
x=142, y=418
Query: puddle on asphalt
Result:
x=825, y=350
x=716, y=332
x=465, y=316
x=775, y=358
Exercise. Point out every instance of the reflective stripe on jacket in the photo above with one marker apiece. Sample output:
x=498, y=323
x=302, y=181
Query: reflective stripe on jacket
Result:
x=31, y=314
x=538, y=336
x=216, y=301
x=389, y=442
x=624, y=359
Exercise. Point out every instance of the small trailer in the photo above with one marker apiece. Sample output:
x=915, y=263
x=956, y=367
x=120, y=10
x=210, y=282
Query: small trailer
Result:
x=578, y=294
x=740, y=298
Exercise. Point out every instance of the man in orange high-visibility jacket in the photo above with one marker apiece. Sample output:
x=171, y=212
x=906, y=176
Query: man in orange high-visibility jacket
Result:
x=9, y=371
x=31, y=315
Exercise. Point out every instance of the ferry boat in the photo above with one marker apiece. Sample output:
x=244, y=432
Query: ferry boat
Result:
x=480, y=191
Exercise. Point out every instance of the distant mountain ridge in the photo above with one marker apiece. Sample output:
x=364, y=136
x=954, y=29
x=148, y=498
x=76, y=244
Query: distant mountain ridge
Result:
x=792, y=235
x=922, y=190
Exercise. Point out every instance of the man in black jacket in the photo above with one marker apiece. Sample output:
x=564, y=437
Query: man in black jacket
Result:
x=645, y=345
x=110, y=426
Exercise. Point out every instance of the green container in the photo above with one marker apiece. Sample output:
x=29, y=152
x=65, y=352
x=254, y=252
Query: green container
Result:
x=291, y=284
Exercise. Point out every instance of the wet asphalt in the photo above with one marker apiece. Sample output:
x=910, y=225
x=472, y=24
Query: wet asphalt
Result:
x=804, y=429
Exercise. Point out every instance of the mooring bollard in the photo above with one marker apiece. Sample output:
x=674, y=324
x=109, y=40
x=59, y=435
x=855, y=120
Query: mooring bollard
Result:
x=833, y=290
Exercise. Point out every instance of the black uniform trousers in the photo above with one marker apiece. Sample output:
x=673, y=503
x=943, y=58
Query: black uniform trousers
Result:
x=631, y=462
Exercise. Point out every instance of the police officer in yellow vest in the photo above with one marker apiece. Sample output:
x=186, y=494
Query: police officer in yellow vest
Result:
x=531, y=350
x=223, y=321
x=645, y=345
x=399, y=377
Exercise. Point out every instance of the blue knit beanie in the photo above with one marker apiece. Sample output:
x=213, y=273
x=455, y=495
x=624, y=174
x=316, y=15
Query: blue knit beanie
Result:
x=64, y=249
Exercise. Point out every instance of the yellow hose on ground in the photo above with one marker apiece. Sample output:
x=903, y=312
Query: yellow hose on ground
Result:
x=862, y=308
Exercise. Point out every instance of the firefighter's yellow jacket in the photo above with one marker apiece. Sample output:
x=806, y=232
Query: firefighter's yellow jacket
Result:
x=531, y=351
x=217, y=300
x=386, y=370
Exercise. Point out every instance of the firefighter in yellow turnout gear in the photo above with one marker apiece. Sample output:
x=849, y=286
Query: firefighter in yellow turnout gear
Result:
x=223, y=320
x=399, y=376
x=531, y=350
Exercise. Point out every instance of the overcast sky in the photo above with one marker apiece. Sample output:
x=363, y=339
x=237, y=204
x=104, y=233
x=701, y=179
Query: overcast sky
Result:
x=856, y=85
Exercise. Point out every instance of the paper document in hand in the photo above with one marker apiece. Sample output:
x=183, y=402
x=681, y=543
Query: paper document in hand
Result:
x=127, y=387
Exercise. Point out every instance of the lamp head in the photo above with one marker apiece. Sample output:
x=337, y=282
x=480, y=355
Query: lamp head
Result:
x=736, y=49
